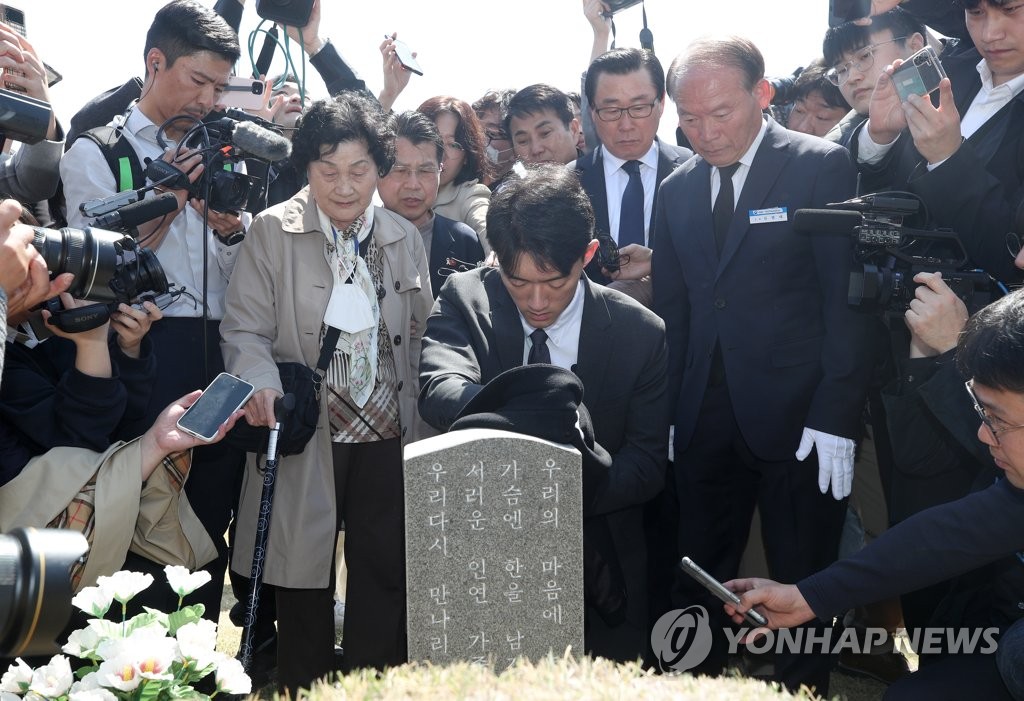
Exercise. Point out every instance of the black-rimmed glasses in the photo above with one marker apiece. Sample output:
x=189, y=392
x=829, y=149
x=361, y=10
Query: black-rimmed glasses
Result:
x=865, y=58
x=614, y=114
x=995, y=425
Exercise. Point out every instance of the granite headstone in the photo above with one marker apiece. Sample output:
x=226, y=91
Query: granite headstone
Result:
x=494, y=548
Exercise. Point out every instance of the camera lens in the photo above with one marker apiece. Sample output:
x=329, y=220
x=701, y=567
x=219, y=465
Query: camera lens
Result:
x=35, y=588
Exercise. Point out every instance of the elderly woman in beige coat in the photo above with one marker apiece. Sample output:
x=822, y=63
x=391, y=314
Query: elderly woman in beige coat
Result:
x=328, y=257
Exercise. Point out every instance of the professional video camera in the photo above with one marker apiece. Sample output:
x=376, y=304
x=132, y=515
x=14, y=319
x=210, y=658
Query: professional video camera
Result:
x=109, y=268
x=35, y=588
x=224, y=139
x=888, y=254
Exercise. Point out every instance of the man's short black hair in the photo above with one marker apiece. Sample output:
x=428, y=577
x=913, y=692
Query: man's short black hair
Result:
x=185, y=27
x=536, y=98
x=812, y=79
x=849, y=37
x=349, y=117
x=419, y=129
x=544, y=214
x=991, y=347
x=621, y=62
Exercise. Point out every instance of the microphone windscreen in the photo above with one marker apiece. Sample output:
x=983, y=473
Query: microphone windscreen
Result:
x=146, y=210
x=261, y=143
x=826, y=221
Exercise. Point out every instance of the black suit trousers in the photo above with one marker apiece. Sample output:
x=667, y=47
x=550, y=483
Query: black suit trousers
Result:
x=719, y=481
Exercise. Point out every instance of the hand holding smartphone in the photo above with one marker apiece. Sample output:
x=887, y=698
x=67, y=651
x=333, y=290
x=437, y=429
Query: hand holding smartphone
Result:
x=405, y=55
x=715, y=587
x=222, y=398
x=920, y=74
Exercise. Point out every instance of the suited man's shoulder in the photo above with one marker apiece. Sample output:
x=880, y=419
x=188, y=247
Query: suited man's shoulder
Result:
x=460, y=231
x=628, y=315
x=680, y=154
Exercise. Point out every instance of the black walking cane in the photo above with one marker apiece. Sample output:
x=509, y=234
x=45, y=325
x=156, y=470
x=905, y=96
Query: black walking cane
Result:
x=282, y=408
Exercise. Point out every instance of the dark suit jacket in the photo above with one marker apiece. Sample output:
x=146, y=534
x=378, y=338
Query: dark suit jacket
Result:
x=794, y=351
x=591, y=171
x=451, y=239
x=979, y=190
x=474, y=334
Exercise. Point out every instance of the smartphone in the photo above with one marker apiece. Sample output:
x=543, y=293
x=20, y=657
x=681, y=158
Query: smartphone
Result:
x=715, y=587
x=918, y=75
x=15, y=19
x=405, y=57
x=843, y=11
x=245, y=93
x=222, y=398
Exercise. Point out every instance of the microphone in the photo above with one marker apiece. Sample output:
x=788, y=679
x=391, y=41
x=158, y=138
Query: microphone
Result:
x=132, y=215
x=261, y=143
x=826, y=221
x=266, y=53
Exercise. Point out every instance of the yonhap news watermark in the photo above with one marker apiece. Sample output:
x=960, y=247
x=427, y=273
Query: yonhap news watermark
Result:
x=681, y=639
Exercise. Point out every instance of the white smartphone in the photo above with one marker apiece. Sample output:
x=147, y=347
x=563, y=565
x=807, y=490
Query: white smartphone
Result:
x=405, y=57
x=715, y=587
x=222, y=398
x=245, y=93
x=15, y=19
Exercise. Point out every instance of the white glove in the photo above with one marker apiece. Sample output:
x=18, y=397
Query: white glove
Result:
x=835, y=460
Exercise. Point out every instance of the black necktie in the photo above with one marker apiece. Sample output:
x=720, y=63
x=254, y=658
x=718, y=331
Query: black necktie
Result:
x=631, y=212
x=725, y=203
x=539, y=353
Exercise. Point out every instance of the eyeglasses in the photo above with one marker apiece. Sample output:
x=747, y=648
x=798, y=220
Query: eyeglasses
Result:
x=838, y=75
x=496, y=136
x=614, y=114
x=421, y=173
x=989, y=421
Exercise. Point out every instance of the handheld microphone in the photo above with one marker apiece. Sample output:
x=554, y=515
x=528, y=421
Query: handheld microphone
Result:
x=261, y=143
x=826, y=221
x=130, y=216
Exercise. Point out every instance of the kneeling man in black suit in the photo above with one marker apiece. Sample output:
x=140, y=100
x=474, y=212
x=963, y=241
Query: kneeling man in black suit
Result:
x=539, y=307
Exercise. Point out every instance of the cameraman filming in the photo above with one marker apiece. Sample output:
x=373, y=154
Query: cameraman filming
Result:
x=189, y=53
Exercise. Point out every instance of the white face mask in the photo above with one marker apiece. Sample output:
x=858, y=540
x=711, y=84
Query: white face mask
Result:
x=497, y=156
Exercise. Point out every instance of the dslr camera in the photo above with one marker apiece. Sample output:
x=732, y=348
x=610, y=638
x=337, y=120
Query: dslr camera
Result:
x=888, y=253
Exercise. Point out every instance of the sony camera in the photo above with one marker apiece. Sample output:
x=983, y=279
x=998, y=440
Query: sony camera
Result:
x=109, y=268
x=35, y=588
x=888, y=253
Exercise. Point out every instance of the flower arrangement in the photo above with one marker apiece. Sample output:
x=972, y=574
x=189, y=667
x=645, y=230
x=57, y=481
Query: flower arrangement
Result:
x=153, y=656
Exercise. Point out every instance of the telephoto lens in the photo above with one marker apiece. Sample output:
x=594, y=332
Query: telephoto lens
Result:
x=35, y=588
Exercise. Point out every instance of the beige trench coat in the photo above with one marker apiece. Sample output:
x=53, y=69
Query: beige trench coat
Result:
x=275, y=305
x=468, y=203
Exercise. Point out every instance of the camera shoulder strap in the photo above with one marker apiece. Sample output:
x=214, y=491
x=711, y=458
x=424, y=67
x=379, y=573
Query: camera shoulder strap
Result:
x=120, y=157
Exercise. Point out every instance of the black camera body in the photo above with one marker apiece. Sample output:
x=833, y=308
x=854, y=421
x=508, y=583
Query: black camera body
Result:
x=616, y=5
x=888, y=254
x=294, y=13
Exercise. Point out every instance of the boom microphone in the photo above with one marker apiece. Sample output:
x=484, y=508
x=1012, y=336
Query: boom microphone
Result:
x=826, y=221
x=261, y=143
x=132, y=215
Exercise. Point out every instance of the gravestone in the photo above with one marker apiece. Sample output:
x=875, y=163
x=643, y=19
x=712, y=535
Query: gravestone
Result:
x=493, y=548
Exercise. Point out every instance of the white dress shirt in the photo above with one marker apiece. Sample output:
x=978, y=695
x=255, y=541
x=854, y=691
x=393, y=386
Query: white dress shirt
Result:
x=740, y=176
x=616, y=179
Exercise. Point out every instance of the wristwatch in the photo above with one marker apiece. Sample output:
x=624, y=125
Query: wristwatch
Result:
x=230, y=239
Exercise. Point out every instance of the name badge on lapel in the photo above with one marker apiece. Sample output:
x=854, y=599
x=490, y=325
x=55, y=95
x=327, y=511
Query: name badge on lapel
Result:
x=764, y=216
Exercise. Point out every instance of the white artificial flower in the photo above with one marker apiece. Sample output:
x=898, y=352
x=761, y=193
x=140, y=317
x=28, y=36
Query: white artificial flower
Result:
x=124, y=585
x=88, y=682
x=154, y=656
x=53, y=679
x=119, y=673
x=17, y=677
x=184, y=582
x=231, y=677
x=33, y=696
x=95, y=601
x=197, y=643
x=8, y=696
x=83, y=642
x=97, y=694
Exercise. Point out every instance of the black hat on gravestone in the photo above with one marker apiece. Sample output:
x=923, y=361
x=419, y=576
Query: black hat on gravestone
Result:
x=543, y=401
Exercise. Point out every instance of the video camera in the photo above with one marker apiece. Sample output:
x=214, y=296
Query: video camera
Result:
x=888, y=254
x=224, y=139
x=35, y=588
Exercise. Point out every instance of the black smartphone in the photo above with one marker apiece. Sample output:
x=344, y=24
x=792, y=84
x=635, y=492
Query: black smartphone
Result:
x=15, y=19
x=715, y=587
x=918, y=75
x=405, y=57
x=843, y=11
x=222, y=398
